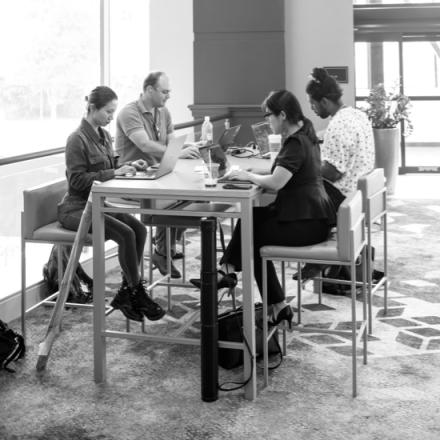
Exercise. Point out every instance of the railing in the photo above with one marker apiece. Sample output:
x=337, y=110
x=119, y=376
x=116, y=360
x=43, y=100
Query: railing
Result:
x=54, y=151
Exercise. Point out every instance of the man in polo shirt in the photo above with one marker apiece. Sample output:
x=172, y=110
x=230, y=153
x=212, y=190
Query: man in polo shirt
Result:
x=143, y=130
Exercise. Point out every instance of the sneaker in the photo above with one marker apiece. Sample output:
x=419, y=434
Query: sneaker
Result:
x=160, y=262
x=124, y=301
x=143, y=303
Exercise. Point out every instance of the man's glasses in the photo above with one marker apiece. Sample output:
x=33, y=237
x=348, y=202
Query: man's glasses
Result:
x=266, y=115
x=164, y=92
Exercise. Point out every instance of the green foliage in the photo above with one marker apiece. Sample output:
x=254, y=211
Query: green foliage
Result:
x=386, y=110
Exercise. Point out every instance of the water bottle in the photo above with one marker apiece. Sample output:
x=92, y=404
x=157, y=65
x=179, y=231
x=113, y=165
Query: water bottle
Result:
x=207, y=131
x=227, y=124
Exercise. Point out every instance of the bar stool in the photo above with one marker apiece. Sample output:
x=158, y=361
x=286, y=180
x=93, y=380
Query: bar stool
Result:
x=374, y=200
x=177, y=221
x=345, y=249
x=373, y=189
x=39, y=224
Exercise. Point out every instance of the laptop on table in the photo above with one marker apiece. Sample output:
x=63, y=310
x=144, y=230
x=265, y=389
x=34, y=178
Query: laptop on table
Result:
x=216, y=154
x=261, y=131
x=166, y=165
x=226, y=139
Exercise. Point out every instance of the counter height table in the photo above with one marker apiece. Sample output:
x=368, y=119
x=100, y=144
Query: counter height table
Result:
x=184, y=183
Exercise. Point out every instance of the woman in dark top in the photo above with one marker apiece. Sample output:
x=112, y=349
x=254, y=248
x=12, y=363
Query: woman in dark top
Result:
x=301, y=214
x=90, y=157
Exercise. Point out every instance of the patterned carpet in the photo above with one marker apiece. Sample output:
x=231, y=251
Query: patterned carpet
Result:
x=412, y=324
x=153, y=389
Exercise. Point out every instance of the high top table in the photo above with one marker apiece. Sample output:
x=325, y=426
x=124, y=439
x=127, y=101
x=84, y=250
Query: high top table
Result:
x=184, y=183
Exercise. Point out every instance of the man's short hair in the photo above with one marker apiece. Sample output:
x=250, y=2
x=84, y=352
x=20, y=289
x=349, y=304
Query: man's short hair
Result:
x=152, y=79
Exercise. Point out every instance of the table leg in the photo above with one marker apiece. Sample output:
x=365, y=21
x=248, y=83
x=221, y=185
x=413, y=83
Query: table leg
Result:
x=247, y=255
x=99, y=343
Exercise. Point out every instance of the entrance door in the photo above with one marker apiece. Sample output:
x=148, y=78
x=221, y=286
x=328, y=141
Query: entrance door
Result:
x=411, y=65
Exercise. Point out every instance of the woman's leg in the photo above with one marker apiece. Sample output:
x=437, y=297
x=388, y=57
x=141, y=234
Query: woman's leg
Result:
x=232, y=254
x=125, y=237
x=268, y=231
x=140, y=232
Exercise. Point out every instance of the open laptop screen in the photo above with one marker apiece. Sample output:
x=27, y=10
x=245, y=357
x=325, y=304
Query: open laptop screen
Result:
x=215, y=154
x=261, y=132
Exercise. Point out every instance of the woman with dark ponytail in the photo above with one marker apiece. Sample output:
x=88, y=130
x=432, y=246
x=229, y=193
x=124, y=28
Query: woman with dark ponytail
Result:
x=301, y=214
x=90, y=157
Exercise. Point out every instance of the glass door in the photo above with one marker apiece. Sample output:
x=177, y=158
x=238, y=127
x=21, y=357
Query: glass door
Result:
x=412, y=65
x=421, y=82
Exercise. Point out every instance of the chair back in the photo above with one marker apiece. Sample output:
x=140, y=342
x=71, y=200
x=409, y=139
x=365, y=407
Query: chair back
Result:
x=373, y=188
x=40, y=205
x=350, y=226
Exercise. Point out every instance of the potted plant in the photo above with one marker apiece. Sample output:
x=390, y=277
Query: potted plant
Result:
x=387, y=111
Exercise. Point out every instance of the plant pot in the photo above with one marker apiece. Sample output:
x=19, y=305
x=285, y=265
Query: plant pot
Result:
x=387, y=146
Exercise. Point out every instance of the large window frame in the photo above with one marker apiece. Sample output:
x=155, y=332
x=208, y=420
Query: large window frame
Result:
x=378, y=23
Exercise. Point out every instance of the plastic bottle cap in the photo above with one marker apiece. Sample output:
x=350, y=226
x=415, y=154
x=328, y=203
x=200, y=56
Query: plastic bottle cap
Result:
x=206, y=118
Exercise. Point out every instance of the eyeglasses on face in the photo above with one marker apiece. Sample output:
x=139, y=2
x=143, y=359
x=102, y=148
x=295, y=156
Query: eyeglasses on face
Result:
x=164, y=92
x=266, y=115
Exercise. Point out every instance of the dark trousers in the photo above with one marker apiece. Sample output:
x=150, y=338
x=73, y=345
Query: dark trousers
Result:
x=269, y=231
x=128, y=233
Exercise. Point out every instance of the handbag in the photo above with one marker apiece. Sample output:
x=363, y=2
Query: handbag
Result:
x=230, y=328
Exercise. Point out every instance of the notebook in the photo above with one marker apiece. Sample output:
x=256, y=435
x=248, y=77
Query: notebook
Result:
x=167, y=164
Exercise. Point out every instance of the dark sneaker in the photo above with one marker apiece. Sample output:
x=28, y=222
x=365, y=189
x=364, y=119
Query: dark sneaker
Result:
x=177, y=256
x=124, y=301
x=144, y=304
x=161, y=263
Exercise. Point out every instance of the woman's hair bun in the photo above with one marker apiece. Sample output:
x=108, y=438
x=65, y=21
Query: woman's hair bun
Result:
x=319, y=74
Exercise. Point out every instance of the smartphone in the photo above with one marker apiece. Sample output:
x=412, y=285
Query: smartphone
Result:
x=237, y=186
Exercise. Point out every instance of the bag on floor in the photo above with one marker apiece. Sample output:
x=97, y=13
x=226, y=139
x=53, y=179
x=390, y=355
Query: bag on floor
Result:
x=12, y=346
x=230, y=328
x=77, y=293
x=343, y=273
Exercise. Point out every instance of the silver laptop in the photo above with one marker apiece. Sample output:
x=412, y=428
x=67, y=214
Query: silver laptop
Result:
x=166, y=165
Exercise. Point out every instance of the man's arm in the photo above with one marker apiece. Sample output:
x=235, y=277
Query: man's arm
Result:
x=146, y=145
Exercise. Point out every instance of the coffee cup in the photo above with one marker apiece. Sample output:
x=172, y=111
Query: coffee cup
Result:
x=274, y=145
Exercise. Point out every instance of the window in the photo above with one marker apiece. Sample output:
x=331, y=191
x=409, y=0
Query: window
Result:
x=50, y=56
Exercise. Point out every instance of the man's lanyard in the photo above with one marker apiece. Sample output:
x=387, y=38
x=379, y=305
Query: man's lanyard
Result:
x=156, y=127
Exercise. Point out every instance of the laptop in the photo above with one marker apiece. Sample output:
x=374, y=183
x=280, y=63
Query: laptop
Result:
x=166, y=165
x=261, y=132
x=227, y=138
x=216, y=154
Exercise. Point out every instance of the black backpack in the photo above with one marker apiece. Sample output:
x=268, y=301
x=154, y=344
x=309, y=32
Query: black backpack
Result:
x=12, y=347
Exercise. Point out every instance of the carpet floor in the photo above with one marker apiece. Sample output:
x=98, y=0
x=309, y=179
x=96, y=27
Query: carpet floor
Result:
x=153, y=389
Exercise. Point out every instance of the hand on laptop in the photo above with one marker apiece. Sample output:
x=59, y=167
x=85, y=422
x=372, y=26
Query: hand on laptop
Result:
x=237, y=174
x=190, y=152
x=125, y=170
x=140, y=164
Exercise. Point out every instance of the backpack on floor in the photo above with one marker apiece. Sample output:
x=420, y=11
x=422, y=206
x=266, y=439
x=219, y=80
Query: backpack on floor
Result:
x=12, y=347
x=81, y=289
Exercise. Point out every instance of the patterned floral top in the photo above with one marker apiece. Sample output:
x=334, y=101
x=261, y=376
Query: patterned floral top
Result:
x=349, y=146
